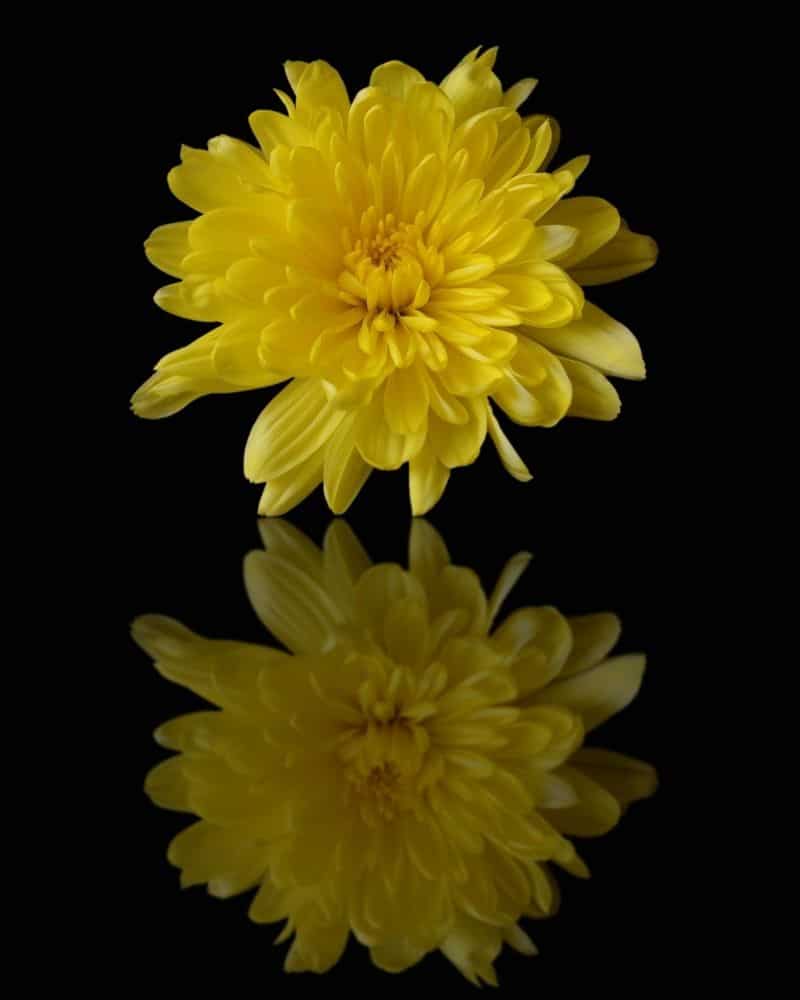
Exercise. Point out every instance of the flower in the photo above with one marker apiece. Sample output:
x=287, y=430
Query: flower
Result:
x=407, y=261
x=409, y=770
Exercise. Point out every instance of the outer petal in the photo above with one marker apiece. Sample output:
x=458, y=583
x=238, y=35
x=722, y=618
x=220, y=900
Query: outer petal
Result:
x=166, y=247
x=396, y=78
x=223, y=858
x=290, y=429
x=626, y=254
x=427, y=479
x=593, y=396
x=344, y=471
x=626, y=778
x=290, y=603
x=600, y=692
x=286, y=491
x=598, y=340
x=594, y=636
x=596, y=220
x=595, y=813
x=378, y=444
x=512, y=463
x=459, y=444
x=536, y=390
x=473, y=87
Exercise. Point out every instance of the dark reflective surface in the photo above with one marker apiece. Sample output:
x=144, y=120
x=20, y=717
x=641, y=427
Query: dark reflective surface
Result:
x=605, y=518
x=414, y=772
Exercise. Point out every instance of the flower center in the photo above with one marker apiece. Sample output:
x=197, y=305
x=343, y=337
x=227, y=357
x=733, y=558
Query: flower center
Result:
x=387, y=757
x=387, y=266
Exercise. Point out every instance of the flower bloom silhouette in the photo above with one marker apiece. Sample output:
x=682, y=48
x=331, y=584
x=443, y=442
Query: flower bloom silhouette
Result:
x=409, y=263
x=406, y=773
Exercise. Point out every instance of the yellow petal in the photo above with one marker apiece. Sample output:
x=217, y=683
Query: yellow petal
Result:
x=473, y=87
x=292, y=427
x=235, y=356
x=344, y=471
x=519, y=92
x=594, y=636
x=595, y=813
x=553, y=242
x=166, y=247
x=597, y=340
x=626, y=254
x=459, y=444
x=536, y=390
x=167, y=786
x=596, y=220
x=512, y=463
x=600, y=692
x=379, y=445
x=208, y=853
x=295, y=608
x=626, y=778
x=593, y=396
x=286, y=491
x=427, y=478
x=405, y=400
x=396, y=78
x=274, y=129
x=204, y=182
x=546, y=133
x=317, y=86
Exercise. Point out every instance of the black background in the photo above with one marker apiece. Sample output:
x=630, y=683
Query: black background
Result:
x=607, y=514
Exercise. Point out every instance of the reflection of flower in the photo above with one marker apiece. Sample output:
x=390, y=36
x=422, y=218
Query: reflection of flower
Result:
x=404, y=258
x=409, y=769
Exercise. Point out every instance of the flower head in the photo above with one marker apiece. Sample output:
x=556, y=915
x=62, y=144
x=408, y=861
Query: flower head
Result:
x=409, y=263
x=409, y=771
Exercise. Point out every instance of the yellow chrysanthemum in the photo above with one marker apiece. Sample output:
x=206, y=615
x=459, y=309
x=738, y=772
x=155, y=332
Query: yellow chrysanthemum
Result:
x=410, y=770
x=407, y=261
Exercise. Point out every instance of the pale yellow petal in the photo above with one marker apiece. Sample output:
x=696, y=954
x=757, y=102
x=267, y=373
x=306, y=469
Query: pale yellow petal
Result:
x=597, y=340
x=396, y=78
x=593, y=396
x=626, y=778
x=427, y=479
x=344, y=471
x=594, y=636
x=292, y=604
x=166, y=247
x=595, y=219
x=595, y=812
x=511, y=460
x=536, y=390
x=290, y=429
x=284, y=492
x=599, y=692
x=626, y=254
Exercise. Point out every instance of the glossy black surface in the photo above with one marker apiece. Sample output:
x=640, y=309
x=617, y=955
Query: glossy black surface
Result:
x=604, y=514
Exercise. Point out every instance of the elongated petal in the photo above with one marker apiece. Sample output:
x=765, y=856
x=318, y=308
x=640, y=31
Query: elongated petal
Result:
x=166, y=247
x=286, y=491
x=427, y=478
x=291, y=428
x=593, y=396
x=626, y=254
x=290, y=603
x=600, y=692
x=512, y=463
x=593, y=638
x=536, y=390
x=595, y=812
x=344, y=471
x=597, y=340
x=626, y=778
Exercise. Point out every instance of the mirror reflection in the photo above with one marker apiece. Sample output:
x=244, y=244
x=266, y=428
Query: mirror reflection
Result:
x=412, y=769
